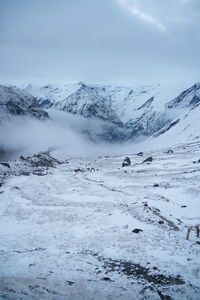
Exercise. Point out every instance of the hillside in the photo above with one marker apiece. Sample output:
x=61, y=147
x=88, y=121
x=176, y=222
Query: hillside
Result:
x=92, y=229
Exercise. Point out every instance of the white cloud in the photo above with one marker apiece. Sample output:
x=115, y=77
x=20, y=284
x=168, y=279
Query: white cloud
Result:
x=134, y=9
x=147, y=18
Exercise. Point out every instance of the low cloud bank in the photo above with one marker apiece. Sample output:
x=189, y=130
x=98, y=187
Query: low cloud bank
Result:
x=71, y=135
x=27, y=136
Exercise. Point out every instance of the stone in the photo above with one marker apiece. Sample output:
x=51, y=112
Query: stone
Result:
x=148, y=159
x=126, y=162
x=137, y=230
x=140, y=154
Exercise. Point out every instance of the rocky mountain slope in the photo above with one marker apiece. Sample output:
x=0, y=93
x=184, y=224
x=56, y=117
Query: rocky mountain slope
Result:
x=140, y=110
x=16, y=102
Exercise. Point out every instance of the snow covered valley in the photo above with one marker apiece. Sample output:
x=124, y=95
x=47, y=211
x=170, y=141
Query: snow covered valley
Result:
x=90, y=229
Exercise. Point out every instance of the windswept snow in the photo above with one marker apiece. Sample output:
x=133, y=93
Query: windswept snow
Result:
x=68, y=234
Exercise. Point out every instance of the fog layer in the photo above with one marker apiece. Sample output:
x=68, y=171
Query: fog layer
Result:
x=65, y=132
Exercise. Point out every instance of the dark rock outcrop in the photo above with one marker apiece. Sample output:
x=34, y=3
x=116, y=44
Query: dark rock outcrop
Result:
x=140, y=154
x=37, y=164
x=137, y=230
x=126, y=162
x=148, y=159
x=15, y=102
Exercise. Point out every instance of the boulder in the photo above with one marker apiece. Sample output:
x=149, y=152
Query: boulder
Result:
x=170, y=151
x=126, y=162
x=148, y=159
x=137, y=230
x=140, y=154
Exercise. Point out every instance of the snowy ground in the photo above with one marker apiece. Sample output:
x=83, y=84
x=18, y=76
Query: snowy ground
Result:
x=68, y=234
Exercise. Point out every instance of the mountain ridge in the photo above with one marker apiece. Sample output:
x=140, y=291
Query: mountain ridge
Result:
x=139, y=110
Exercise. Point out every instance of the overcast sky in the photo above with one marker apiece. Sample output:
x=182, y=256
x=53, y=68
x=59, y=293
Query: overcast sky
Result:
x=102, y=41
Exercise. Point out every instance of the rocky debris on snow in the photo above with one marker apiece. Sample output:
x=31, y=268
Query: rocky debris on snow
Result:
x=37, y=164
x=134, y=270
x=148, y=159
x=43, y=159
x=126, y=162
x=170, y=223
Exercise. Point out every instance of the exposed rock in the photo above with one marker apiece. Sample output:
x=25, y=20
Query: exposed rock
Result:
x=160, y=222
x=5, y=164
x=42, y=160
x=137, y=230
x=106, y=279
x=126, y=162
x=164, y=297
x=78, y=170
x=14, y=101
x=140, y=154
x=170, y=151
x=167, y=127
x=187, y=98
x=148, y=159
x=36, y=164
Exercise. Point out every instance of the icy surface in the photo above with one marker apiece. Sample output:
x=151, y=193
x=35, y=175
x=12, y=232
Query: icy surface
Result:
x=69, y=234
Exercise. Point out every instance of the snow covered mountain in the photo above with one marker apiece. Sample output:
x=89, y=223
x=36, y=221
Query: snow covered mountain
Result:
x=138, y=111
x=86, y=227
x=111, y=113
x=16, y=102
